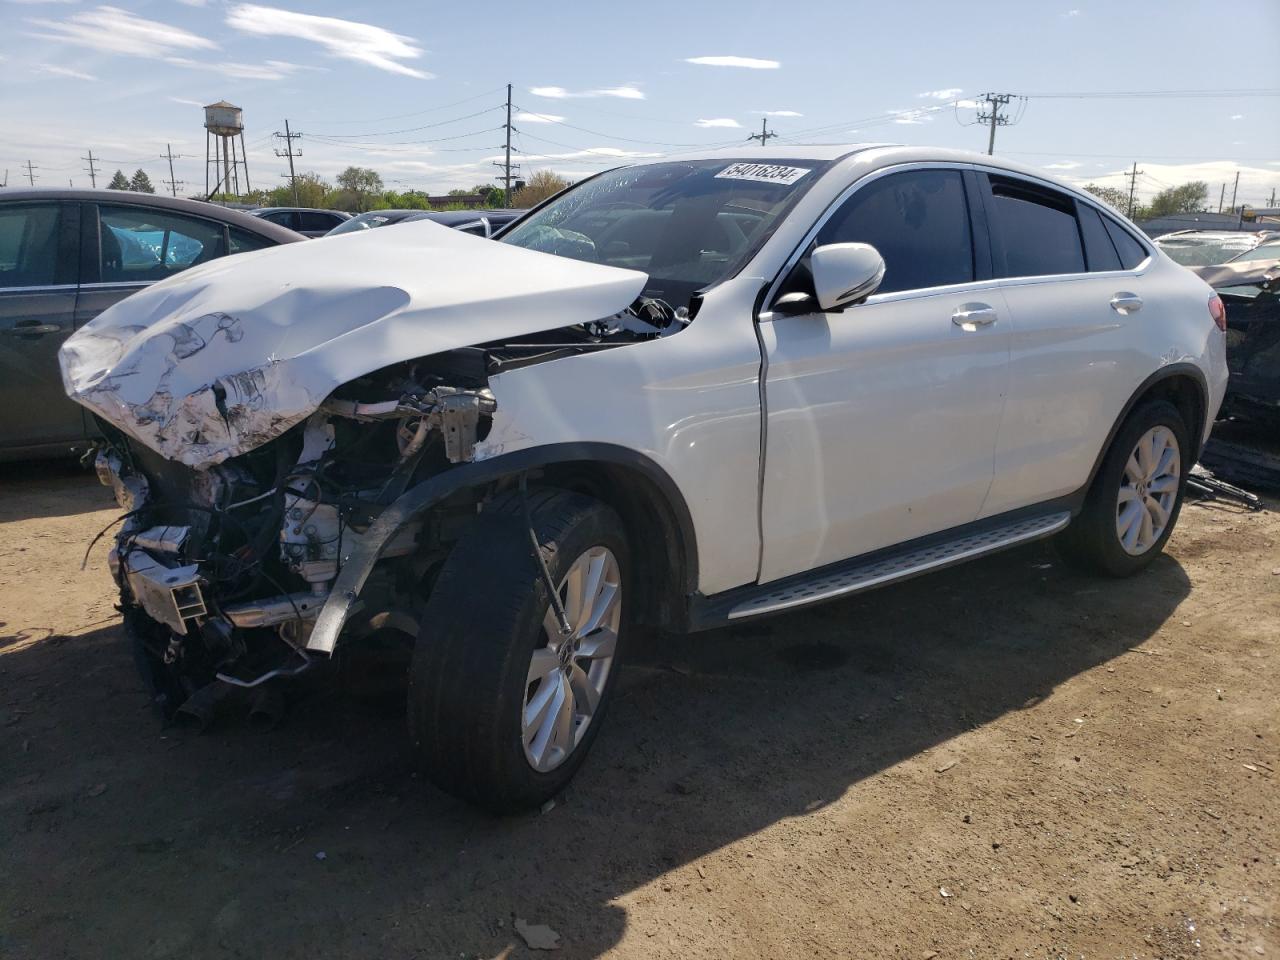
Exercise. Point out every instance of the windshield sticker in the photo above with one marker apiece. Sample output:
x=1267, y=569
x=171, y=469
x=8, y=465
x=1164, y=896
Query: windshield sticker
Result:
x=762, y=172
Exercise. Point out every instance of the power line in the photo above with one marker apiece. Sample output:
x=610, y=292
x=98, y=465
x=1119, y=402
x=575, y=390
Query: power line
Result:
x=995, y=117
x=1157, y=94
x=289, y=136
x=31, y=176
x=506, y=165
x=425, y=126
x=418, y=113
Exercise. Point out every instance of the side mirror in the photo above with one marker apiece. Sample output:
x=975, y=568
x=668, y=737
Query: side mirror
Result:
x=845, y=273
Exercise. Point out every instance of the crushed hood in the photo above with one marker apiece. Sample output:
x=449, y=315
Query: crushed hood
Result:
x=1247, y=273
x=220, y=359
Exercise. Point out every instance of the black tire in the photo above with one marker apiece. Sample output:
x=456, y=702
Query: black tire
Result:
x=483, y=620
x=1091, y=542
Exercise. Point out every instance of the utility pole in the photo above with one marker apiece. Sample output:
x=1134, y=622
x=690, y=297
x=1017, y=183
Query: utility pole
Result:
x=1272, y=202
x=764, y=134
x=1133, y=185
x=91, y=170
x=1222, y=197
x=507, y=171
x=1234, y=189
x=288, y=137
x=31, y=175
x=172, y=182
x=994, y=117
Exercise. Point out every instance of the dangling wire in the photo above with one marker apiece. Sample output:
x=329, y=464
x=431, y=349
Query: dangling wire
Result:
x=556, y=604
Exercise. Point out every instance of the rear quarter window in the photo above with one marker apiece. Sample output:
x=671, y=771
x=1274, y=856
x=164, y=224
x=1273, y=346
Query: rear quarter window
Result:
x=1130, y=250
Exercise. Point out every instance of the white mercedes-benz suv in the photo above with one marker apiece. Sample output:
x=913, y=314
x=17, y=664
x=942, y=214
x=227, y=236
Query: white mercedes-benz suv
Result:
x=682, y=393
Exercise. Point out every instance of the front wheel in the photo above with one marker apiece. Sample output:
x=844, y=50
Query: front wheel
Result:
x=1135, y=499
x=503, y=705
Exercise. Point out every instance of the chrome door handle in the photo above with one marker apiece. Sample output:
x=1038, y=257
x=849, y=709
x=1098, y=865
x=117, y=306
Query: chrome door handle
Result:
x=27, y=328
x=1126, y=303
x=971, y=316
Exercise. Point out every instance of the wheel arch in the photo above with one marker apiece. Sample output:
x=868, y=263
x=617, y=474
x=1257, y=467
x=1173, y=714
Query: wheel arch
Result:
x=643, y=493
x=1182, y=384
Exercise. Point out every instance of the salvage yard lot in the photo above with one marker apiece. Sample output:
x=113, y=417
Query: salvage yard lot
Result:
x=1006, y=759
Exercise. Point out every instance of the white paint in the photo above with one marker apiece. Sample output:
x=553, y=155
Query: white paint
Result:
x=277, y=331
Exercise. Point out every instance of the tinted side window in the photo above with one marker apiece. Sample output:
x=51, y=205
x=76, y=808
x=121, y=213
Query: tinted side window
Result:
x=29, y=245
x=242, y=241
x=316, y=221
x=142, y=244
x=1131, y=251
x=1098, y=248
x=1038, y=228
x=284, y=218
x=919, y=222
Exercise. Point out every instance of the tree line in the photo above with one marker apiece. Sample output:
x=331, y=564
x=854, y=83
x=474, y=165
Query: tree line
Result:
x=1190, y=197
x=360, y=189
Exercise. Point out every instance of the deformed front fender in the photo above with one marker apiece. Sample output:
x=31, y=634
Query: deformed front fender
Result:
x=358, y=563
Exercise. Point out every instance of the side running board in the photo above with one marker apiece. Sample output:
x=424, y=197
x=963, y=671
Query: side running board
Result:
x=859, y=576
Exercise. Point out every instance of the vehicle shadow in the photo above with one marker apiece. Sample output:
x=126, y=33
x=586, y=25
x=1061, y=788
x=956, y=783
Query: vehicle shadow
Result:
x=319, y=839
x=49, y=488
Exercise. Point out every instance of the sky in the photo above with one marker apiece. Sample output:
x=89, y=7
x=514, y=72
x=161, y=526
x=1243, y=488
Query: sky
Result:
x=417, y=90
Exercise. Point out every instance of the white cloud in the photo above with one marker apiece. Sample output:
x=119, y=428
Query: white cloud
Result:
x=718, y=122
x=35, y=2
x=539, y=118
x=1062, y=165
x=750, y=63
x=1255, y=182
x=624, y=92
x=911, y=116
x=947, y=93
x=270, y=70
x=64, y=72
x=969, y=104
x=1237, y=116
x=193, y=3
x=186, y=103
x=113, y=30
x=780, y=113
x=1069, y=14
x=346, y=39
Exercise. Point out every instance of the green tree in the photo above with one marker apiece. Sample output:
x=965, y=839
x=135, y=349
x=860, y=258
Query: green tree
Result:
x=541, y=185
x=358, y=188
x=141, y=183
x=1113, y=196
x=493, y=196
x=1189, y=198
x=119, y=181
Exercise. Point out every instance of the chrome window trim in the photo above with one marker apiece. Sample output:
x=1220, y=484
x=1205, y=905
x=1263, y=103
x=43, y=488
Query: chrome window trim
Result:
x=767, y=315
x=40, y=288
x=109, y=284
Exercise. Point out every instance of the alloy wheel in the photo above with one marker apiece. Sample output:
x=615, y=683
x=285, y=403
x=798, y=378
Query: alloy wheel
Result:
x=1148, y=490
x=567, y=674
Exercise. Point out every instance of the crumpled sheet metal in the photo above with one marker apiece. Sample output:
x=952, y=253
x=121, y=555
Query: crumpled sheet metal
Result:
x=219, y=360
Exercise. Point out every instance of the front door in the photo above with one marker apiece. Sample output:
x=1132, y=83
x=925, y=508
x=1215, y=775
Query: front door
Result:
x=882, y=418
x=38, y=273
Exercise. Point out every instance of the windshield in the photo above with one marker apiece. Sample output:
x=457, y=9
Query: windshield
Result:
x=1204, y=251
x=374, y=218
x=1264, y=251
x=688, y=224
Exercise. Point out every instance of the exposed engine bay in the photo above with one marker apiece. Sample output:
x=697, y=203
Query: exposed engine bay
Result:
x=223, y=571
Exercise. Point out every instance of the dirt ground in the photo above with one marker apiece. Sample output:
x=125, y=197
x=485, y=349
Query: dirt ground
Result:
x=1003, y=760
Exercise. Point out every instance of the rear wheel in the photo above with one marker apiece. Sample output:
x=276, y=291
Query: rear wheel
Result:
x=1135, y=499
x=503, y=706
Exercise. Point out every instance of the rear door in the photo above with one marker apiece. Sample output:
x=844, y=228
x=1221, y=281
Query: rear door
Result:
x=882, y=418
x=1074, y=285
x=38, y=275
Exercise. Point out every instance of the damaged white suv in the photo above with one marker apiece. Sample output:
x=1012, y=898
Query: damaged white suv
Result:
x=681, y=393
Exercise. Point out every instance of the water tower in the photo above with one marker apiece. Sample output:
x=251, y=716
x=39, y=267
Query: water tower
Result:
x=223, y=124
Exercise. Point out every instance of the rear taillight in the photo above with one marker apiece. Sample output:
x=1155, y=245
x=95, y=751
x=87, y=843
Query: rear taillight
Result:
x=1218, y=312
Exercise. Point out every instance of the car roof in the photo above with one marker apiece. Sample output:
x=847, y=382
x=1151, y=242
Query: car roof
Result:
x=259, y=211
x=874, y=155
x=199, y=208
x=462, y=216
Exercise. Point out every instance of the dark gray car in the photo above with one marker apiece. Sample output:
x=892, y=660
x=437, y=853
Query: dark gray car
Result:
x=67, y=255
x=308, y=221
